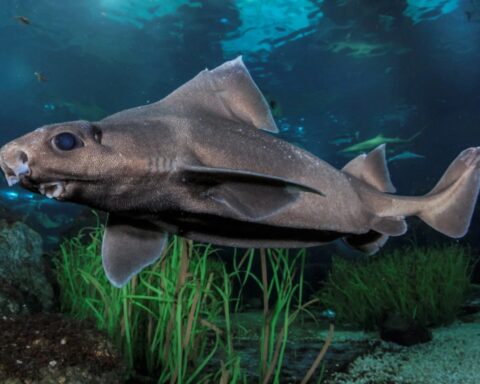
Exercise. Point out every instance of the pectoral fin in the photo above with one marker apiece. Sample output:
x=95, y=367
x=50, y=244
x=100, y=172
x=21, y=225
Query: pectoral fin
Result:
x=254, y=202
x=129, y=246
x=214, y=176
x=251, y=195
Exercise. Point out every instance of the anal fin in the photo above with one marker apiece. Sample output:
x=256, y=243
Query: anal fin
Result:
x=368, y=243
x=373, y=240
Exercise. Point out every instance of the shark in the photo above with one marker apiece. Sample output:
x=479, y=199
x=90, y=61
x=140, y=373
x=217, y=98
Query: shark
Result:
x=374, y=142
x=204, y=163
x=405, y=155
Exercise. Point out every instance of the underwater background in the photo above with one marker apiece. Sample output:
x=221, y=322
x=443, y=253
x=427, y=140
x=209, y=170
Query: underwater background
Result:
x=335, y=73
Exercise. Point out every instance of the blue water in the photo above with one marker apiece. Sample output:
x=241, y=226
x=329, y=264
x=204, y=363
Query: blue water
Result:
x=337, y=71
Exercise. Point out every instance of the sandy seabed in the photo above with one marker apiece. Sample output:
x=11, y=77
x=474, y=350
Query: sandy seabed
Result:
x=452, y=357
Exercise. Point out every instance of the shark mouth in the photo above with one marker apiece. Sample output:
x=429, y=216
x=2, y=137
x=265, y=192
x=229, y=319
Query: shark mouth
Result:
x=21, y=174
x=52, y=190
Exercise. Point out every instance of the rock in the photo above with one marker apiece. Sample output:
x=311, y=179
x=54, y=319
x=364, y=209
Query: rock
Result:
x=400, y=330
x=24, y=287
x=11, y=300
x=472, y=304
x=51, y=349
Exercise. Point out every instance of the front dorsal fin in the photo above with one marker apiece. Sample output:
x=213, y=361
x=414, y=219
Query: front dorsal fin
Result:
x=372, y=169
x=227, y=91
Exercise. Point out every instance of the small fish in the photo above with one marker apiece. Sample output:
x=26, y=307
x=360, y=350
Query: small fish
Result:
x=41, y=78
x=23, y=20
x=199, y=164
x=374, y=142
x=405, y=155
x=347, y=138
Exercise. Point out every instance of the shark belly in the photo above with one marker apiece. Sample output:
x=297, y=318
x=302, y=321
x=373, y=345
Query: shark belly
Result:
x=230, y=232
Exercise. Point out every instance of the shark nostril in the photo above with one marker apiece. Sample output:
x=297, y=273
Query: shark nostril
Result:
x=21, y=167
x=14, y=164
x=22, y=156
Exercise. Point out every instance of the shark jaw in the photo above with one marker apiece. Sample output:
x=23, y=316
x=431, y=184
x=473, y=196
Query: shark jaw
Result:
x=50, y=189
x=53, y=190
x=21, y=173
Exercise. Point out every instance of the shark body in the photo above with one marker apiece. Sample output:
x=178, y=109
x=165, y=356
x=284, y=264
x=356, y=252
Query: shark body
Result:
x=199, y=163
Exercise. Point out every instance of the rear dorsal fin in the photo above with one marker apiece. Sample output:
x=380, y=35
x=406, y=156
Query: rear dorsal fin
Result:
x=226, y=92
x=372, y=169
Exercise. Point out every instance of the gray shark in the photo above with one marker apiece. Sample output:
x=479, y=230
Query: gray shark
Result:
x=203, y=163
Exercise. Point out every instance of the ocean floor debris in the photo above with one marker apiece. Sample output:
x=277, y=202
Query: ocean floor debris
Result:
x=359, y=357
x=50, y=348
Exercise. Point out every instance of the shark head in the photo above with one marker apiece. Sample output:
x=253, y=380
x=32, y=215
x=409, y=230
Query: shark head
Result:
x=64, y=161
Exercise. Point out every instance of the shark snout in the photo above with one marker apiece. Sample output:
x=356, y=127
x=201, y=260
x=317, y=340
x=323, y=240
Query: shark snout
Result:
x=14, y=163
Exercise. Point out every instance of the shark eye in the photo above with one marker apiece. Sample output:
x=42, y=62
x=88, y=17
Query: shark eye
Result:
x=66, y=141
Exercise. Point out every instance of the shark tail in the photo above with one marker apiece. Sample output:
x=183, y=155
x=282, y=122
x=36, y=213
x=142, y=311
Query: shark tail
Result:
x=449, y=206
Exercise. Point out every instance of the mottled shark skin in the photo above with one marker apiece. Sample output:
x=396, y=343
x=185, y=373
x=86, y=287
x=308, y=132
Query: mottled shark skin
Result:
x=199, y=163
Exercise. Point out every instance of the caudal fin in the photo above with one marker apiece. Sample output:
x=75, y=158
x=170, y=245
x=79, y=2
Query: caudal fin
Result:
x=452, y=200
